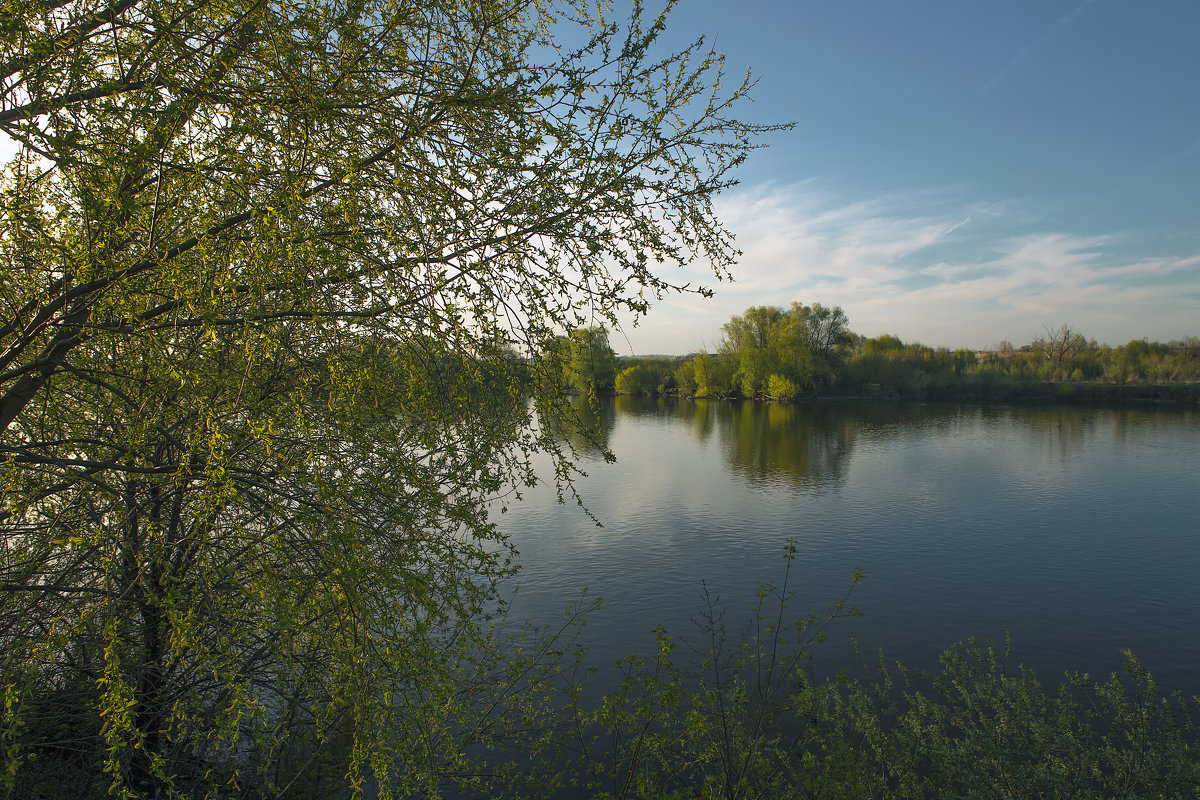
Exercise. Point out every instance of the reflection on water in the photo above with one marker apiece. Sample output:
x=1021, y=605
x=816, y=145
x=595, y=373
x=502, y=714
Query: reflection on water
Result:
x=760, y=441
x=803, y=444
x=811, y=444
x=585, y=424
x=1073, y=527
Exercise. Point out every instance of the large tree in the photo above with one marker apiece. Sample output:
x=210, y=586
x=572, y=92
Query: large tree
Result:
x=1060, y=346
x=798, y=346
x=263, y=264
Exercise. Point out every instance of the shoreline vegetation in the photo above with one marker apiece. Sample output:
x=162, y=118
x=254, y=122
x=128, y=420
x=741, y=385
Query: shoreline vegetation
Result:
x=808, y=353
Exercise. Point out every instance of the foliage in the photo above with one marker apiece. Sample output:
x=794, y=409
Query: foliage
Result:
x=264, y=265
x=780, y=388
x=581, y=362
x=1060, y=347
x=1140, y=361
x=634, y=380
x=714, y=374
x=592, y=365
x=980, y=729
x=801, y=344
x=886, y=366
x=812, y=348
x=748, y=340
x=912, y=370
x=655, y=376
x=683, y=377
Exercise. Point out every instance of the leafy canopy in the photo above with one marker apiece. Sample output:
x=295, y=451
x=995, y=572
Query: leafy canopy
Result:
x=264, y=264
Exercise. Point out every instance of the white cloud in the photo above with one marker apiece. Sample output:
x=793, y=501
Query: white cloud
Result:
x=927, y=269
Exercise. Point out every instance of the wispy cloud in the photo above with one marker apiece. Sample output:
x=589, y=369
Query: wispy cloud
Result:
x=926, y=268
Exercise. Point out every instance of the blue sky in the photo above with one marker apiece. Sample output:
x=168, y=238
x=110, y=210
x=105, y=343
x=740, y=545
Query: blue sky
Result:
x=960, y=172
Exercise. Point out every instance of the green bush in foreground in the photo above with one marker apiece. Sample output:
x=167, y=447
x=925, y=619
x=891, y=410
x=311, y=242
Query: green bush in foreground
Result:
x=975, y=730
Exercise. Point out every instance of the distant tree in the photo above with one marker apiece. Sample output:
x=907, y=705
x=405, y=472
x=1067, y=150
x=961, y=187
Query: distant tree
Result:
x=592, y=366
x=793, y=354
x=752, y=337
x=882, y=344
x=634, y=380
x=1059, y=346
x=552, y=364
x=800, y=343
x=714, y=374
x=684, y=373
x=827, y=331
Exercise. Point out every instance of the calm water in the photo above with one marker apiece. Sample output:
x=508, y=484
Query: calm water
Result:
x=1077, y=529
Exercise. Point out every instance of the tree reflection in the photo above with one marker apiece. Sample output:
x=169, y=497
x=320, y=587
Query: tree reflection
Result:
x=810, y=444
x=806, y=445
x=583, y=423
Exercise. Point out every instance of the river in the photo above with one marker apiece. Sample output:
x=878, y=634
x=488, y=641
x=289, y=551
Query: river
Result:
x=1075, y=529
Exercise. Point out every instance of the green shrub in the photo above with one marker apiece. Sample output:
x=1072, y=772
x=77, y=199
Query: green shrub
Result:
x=781, y=388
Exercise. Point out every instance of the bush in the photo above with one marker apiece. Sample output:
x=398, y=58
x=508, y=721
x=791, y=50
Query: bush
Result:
x=978, y=728
x=781, y=388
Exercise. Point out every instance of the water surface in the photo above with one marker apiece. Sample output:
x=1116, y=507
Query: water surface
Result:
x=1075, y=529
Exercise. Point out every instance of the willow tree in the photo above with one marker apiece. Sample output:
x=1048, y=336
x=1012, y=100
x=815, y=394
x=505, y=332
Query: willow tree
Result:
x=264, y=264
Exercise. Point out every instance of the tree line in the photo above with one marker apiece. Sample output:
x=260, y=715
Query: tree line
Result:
x=777, y=353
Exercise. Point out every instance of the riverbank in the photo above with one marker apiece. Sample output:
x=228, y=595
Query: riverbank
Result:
x=1082, y=393
x=1086, y=393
